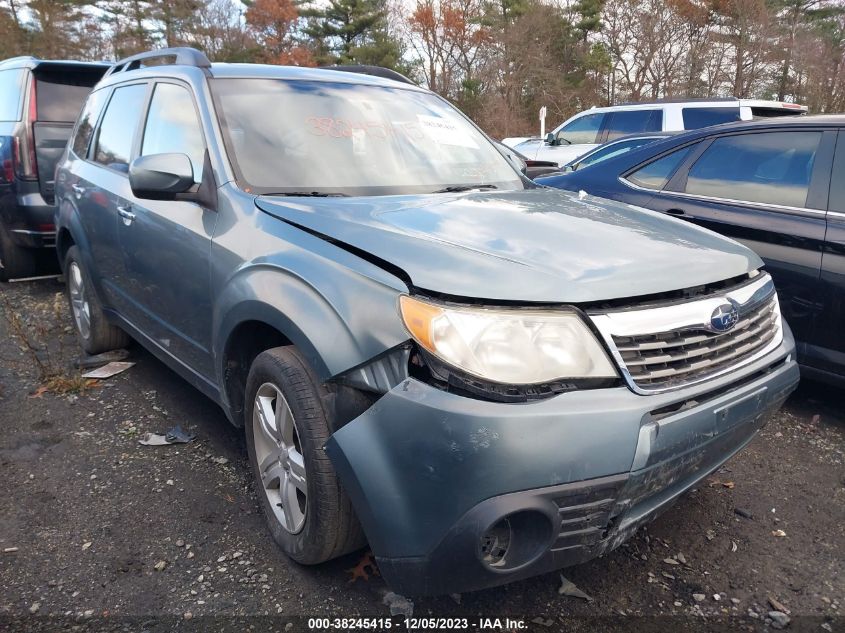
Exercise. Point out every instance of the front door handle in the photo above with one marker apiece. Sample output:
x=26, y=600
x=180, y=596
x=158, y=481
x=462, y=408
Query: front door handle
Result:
x=677, y=212
x=126, y=214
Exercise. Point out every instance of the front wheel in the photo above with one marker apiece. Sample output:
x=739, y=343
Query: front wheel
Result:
x=307, y=511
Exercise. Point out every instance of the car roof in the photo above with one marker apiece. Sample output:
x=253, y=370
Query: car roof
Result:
x=797, y=120
x=707, y=102
x=639, y=135
x=223, y=70
x=34, y=62
x=267, y=71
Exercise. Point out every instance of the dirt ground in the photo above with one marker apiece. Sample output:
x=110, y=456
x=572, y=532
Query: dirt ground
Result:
x=96, y=528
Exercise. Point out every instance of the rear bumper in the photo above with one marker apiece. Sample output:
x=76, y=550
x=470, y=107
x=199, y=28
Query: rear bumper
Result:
x=29, y=220
x=429, y=472
x=33, y=239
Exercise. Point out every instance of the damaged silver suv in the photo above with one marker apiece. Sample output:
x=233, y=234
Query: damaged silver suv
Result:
x=482, y=378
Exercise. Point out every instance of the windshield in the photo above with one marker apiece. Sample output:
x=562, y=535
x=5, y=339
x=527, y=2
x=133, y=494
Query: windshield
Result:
x=339, y=138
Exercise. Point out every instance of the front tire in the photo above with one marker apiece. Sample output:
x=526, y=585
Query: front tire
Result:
x=94, y=332
x=308, y=513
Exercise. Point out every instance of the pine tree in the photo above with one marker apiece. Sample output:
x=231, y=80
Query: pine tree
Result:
x=129, y=23
x=352, y=31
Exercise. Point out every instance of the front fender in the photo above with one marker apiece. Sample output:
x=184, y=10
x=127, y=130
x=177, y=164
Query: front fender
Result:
x=337, y=309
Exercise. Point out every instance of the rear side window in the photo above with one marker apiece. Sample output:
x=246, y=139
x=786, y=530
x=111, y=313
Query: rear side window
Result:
x=657, y=173
x=173, y=126
x=87, y=121
x=695, y=118
x=11, y=88
x=770, y=168
x=117, y=131
x=634, y=121
x=583, y=130
x=59, y=96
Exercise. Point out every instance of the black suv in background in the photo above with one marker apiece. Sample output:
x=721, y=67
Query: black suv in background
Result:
x=39, y=102
x=777, y=186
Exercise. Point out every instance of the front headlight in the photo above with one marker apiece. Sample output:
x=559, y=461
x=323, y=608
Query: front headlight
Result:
x=508, y=345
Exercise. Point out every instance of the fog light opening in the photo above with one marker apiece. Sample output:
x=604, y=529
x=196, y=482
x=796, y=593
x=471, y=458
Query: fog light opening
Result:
x=495, y=543
x=515, y=540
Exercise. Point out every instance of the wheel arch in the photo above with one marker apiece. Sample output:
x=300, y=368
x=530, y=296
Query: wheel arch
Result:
x=335, y=327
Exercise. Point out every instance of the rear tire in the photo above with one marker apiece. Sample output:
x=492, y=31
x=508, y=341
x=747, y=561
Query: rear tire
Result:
x=94, y=332
x=286, y=428
x=15, y=261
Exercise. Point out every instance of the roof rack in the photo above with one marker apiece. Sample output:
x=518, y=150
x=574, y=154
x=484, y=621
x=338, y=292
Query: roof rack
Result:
x=182, y=56
x=681, y=100
x=375, y=71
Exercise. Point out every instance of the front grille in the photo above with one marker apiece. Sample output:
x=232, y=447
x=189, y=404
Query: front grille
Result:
x=677, y=356
x=658, y=358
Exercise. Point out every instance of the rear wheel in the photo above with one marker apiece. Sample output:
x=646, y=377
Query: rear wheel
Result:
x=15, y=261
x=307, y=511
x=95, y=334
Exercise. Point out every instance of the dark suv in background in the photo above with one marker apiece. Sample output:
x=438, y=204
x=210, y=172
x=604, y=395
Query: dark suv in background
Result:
x=39, y=102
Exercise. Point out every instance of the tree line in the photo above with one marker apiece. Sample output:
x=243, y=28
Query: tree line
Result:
x=499, y=60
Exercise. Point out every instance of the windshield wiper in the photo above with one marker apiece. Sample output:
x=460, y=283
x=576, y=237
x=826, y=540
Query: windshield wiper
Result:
x=308, y=194
x=454, y=188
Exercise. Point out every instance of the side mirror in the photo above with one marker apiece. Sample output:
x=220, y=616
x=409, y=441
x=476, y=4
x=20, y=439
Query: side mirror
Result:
x=161, y=176
x=550, y=139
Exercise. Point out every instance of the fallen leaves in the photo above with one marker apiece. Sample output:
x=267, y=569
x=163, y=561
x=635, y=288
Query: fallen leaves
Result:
x=39, y=392
x=64, y=385
x=778, y=606
x=712, y=483
x=360, y=570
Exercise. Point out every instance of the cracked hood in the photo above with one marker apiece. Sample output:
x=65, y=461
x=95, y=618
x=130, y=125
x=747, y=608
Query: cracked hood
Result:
x=539, y=245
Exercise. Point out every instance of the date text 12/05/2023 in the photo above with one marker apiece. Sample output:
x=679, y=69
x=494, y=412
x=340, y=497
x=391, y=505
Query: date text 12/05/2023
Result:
x=417, y=624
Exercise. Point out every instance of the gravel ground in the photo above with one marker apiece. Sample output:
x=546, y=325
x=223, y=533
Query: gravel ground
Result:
x=94, y=524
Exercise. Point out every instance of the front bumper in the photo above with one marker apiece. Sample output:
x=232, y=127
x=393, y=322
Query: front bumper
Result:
x=430, y=472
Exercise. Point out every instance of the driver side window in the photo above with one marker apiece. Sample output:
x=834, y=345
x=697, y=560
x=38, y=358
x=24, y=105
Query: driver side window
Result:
x=583, y=130
x=173, y=127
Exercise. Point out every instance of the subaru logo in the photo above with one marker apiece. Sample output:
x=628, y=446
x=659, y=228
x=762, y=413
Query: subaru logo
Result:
x=724, y=317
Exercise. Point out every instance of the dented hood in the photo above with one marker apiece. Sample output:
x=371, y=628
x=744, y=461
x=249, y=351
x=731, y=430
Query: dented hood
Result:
x=539, y=245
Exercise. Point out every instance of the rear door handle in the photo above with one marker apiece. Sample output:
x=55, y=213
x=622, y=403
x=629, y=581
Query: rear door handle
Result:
x=126, y=214
x=676, y=212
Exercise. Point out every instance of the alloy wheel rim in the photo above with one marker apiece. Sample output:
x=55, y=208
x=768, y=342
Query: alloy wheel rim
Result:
x=278, y=452
x=78, y=300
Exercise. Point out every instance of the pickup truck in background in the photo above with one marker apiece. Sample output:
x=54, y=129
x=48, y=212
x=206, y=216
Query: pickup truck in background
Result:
x=39, y=103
